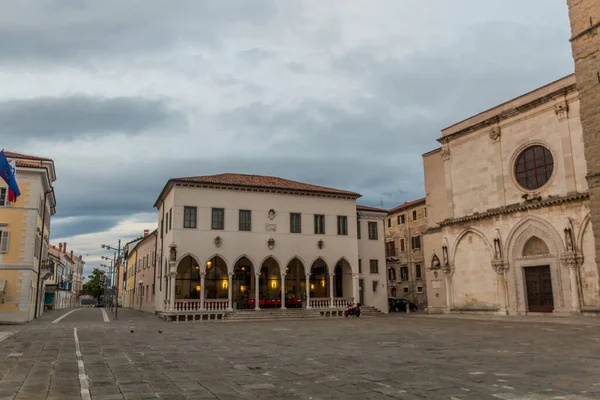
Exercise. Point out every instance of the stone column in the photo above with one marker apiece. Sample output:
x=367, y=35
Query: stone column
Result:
x=308, y=291
x=572, y=262
x=202, y=276
x=500, y=268
x=448, y=280
x=331, y=290
x=256, y=291
x=172, y=290
x=356, y=287
x=282, y=291
x=230, y=292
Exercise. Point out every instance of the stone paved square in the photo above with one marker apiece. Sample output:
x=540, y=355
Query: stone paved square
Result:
x=388, y=357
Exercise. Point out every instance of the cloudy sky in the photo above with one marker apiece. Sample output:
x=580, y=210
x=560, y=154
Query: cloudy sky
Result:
x=125, y=94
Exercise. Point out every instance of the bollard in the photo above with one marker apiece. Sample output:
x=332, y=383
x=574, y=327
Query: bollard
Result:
x=407, y=308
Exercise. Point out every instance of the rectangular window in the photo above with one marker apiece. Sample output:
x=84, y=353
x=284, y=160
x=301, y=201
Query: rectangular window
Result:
x=189, y=217
x=342, y=225
x=360, y=266
x=390, y=249
x=402, y=219
x=167, y=224
x=153, y=289
x=414, y=215
x=418, y=271
x=295, y=223
x=404, y=273
x=3, y=197
x=162, y=226
x=319, y=224
x=389, y=222
x=415, y=242
x=402, y=245
x=375, y=283
x=245, y=220
x=405, y=290
x=374, y=266
x=391, y=274
x=425, y=212
x=358, y=228
x=170, y=219
x=218, y=218
x=373, y=230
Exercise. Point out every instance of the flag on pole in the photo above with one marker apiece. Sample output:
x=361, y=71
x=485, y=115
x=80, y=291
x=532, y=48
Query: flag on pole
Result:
x=8, y=172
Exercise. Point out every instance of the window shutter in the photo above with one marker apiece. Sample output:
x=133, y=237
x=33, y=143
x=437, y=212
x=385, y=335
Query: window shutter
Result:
x=4, y=241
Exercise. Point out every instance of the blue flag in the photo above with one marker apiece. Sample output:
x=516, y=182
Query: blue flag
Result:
x=8, y=173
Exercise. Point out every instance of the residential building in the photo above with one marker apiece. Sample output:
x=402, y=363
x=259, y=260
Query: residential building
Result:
x=131, y=260
x=24, y=233
x=59, y=286
x=234, y=241
x=585, y=43
x=78, y=266
x=510, y=230
x=145, y=250
x=404, y=227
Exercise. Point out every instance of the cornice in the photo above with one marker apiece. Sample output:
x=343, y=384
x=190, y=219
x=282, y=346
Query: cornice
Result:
x=532, y=205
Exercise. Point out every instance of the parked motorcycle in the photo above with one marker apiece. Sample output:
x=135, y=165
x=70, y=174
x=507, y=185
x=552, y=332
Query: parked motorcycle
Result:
x=353, y=309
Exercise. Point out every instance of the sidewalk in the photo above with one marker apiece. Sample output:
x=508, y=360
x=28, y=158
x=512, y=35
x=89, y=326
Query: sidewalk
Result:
x=554, y=319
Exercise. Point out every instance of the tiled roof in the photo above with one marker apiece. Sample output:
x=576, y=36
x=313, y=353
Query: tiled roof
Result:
x=11, y=154
x=372, y=209
x=407, y=205
x=263, y=182
x=28, y=164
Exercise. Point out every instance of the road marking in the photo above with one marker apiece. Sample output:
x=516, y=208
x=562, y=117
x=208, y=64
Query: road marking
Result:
x=4, y=335
x=83, y=379
x=105, y=315
x=65, y=315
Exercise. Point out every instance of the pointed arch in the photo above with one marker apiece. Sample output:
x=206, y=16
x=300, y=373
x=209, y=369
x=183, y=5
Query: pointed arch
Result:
x=222, y=257
x=527, y=227
x=309, y=266
x=299, y=259
x=343, y=258
x=584, y=224
x=243, y=256
x=259, y=266
x=180, y=258
x=475, y=232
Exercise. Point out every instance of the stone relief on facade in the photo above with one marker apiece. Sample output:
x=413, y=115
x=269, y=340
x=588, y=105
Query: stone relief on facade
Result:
x=445, y=151
x=271, y=227
x=218, y=241
x=272, y=214
x=271, y=243
x=494, y=133
x=435, y=262
x=562, y=111
x=497, y=246
x=320, y=244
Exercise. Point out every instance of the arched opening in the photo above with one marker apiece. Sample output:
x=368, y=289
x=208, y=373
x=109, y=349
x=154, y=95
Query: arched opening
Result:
x=270, y=284
x=319, y=281
x=295, y=284
x=187, y=282
x=216, y=282
x=243, y=284
x=535, y=247
x=342, y=288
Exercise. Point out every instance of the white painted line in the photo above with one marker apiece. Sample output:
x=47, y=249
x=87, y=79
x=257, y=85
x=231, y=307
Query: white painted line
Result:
x=4, y=335
x=83, y=379
x=105, y=315
x=57, y=320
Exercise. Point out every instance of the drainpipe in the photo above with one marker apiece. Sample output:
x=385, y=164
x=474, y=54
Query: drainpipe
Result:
x=37, y=288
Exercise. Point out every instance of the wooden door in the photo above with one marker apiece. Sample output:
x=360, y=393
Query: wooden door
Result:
x=539, y=289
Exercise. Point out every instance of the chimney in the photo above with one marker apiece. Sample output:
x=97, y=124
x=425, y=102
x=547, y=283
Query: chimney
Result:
x=71, y=254
x=146, y=232
x=64, y=247
x=60, y=247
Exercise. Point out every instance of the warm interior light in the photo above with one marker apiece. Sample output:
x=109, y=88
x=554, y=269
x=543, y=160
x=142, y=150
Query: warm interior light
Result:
x=242, y=288
x=225, y=284
x=198, y=288
x=312, y=286
x=287, y=269
x=322, y=282
x=243, y=268
x=274, y=284
x=197, y=267
x=209, y=264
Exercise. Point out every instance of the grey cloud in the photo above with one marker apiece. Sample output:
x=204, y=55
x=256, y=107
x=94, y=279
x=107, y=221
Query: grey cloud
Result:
x=57, y=31
x=82, y=225
x=256, y=55
x=69, y=117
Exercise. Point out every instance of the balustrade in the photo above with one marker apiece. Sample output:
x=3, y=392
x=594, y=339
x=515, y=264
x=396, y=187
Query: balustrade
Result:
x=320, y=302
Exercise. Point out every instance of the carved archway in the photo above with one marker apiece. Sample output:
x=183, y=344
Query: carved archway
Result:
x=533, y=226
x=473, y=231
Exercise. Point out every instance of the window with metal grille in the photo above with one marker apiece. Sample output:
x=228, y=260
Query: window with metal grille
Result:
x=245, y=220
x=342, y=221
x=374, y=266
x=375, y=284
x=373, y=235
x=295, y=223
x=4, y=197
x=319, y=224
x=218, y=218
x=534, y=167
x=189, y=217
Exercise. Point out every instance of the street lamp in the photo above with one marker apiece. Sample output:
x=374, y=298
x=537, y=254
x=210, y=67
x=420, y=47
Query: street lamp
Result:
x=116, y=256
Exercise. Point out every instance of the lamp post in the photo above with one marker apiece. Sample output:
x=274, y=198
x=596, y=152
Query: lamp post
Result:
x=109, y=279
x=117, y=256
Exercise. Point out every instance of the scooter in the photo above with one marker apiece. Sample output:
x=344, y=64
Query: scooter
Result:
x=353, y=309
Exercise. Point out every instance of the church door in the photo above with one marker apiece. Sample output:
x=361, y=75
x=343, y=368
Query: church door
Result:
x=539, y=289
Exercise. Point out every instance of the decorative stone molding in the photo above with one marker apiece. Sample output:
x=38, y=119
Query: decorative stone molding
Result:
x=272, y=214
x=562, y=111
x=271, y=243
x=271, y=227
x=448, y=270
x=500, y=266
x=494, y=133
x=445, y=152
x=435, y=262
x=218, y=241
x=497, y=246
x=202, y=274
x=572, y=260
x=320, y=244
x=172, y=252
